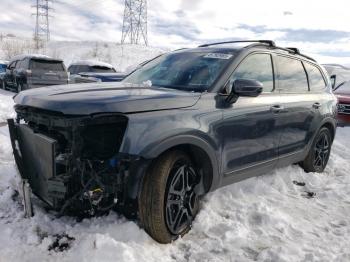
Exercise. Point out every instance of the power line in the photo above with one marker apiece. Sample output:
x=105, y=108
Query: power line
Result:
x=42, y=26
x=135, y=22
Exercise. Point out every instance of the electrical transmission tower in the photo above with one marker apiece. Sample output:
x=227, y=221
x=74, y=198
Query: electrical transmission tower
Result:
x=42, y=27
x=135, y=22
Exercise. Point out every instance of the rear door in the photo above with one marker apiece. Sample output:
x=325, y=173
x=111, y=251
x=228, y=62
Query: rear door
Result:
x=250, y=132
x=300, y=108
x=47, y=72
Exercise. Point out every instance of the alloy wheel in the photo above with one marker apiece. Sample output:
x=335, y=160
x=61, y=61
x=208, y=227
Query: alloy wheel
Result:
x=322, y=151
x=181, y=199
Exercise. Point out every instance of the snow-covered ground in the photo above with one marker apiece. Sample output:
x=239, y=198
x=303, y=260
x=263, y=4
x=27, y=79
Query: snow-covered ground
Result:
x=268, y=218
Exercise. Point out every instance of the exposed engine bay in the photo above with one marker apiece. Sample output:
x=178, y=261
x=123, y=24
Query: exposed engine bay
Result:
x=72, y=162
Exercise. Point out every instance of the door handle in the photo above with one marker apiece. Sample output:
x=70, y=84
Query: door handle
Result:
x=316, y=105
x=276, y=108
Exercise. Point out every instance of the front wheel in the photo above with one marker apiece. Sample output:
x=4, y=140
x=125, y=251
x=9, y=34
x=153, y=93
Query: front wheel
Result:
x=317, y=158
x=168, y=202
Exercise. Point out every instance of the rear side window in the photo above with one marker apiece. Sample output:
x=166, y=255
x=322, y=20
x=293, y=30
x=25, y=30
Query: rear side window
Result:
x=46, y=65
x=256, y=67
x=316, y=79
x=291, y=75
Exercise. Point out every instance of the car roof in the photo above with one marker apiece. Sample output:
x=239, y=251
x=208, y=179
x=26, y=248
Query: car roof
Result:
x=239, y=46
x=34, y=56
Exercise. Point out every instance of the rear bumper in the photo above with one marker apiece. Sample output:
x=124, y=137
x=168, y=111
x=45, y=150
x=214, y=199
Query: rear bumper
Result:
x=34, y=156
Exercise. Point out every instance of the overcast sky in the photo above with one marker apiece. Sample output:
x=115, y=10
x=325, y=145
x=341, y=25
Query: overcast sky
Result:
x=317, y=27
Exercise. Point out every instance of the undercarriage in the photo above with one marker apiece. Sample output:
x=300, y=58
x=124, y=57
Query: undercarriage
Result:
x=73, y=162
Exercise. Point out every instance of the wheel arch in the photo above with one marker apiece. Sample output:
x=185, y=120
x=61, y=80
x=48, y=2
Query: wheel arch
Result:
x=199, y=150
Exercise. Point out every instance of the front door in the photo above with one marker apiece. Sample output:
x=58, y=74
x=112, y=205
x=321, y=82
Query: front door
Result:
x=250, y=131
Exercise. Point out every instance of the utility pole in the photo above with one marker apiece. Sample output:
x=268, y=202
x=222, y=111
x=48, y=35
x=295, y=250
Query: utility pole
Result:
x=42, y=27
x=135, y=22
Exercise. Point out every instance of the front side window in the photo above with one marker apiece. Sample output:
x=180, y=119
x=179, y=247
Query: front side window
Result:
x=192, y=71
x=316, y=79
x=291, y=75
x=256, y=67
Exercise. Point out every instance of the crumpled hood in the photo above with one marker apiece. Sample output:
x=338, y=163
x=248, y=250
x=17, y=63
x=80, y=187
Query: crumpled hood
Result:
x=85, y=99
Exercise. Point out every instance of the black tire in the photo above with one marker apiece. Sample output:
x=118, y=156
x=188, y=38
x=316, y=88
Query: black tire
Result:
x=161, y=203
x=317, y=158
x=3, y=85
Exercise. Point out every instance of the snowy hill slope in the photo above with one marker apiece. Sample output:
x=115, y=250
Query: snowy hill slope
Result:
x=267, y=218
x=120, y=56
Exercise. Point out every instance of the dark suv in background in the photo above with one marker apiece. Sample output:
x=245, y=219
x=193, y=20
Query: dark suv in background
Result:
x=182, y=125
x=87, y=71
x=31, y=71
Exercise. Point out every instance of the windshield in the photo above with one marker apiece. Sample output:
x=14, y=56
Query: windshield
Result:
x=186, y=70
x=2, y=68
x=344, y=88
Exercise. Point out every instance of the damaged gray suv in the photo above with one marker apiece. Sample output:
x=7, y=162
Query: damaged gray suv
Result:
x=182, y=125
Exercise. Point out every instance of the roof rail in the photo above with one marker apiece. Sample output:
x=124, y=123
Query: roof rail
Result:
x=297, y=51
x=269, y=42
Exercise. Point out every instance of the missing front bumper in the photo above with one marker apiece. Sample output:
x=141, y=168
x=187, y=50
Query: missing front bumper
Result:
x=34, y=155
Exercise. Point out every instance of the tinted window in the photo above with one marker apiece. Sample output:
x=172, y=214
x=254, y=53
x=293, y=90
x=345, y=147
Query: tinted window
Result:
x=194, y=71
x=291, y=75
x=102, y=69
x=316, y=79
x=46, y=65
x=256, y=67
x=76, y=69
x=20, y=64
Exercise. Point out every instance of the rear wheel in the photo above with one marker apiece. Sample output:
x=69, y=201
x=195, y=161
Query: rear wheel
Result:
x=317, y=158
x=3, y=85
x=168, y=202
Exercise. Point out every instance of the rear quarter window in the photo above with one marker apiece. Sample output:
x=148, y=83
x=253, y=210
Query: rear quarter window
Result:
x=46, y=65
x=291, y=75
x=316, y=80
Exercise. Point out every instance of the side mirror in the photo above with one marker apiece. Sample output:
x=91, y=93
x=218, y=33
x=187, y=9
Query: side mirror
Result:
x=333, y=80
x=244, y=87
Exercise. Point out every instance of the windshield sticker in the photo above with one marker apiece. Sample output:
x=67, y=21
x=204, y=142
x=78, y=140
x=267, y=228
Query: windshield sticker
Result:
x=218, y=56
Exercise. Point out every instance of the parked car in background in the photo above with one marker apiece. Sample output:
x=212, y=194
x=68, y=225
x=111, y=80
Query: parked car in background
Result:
x=31, y=71
x=342, y=92
x=339, y=74
x=87, y=71
x=3, y=66
x=184, y=124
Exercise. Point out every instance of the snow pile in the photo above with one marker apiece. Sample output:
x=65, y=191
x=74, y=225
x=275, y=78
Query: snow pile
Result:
x=269, y=218
x=6, y=105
